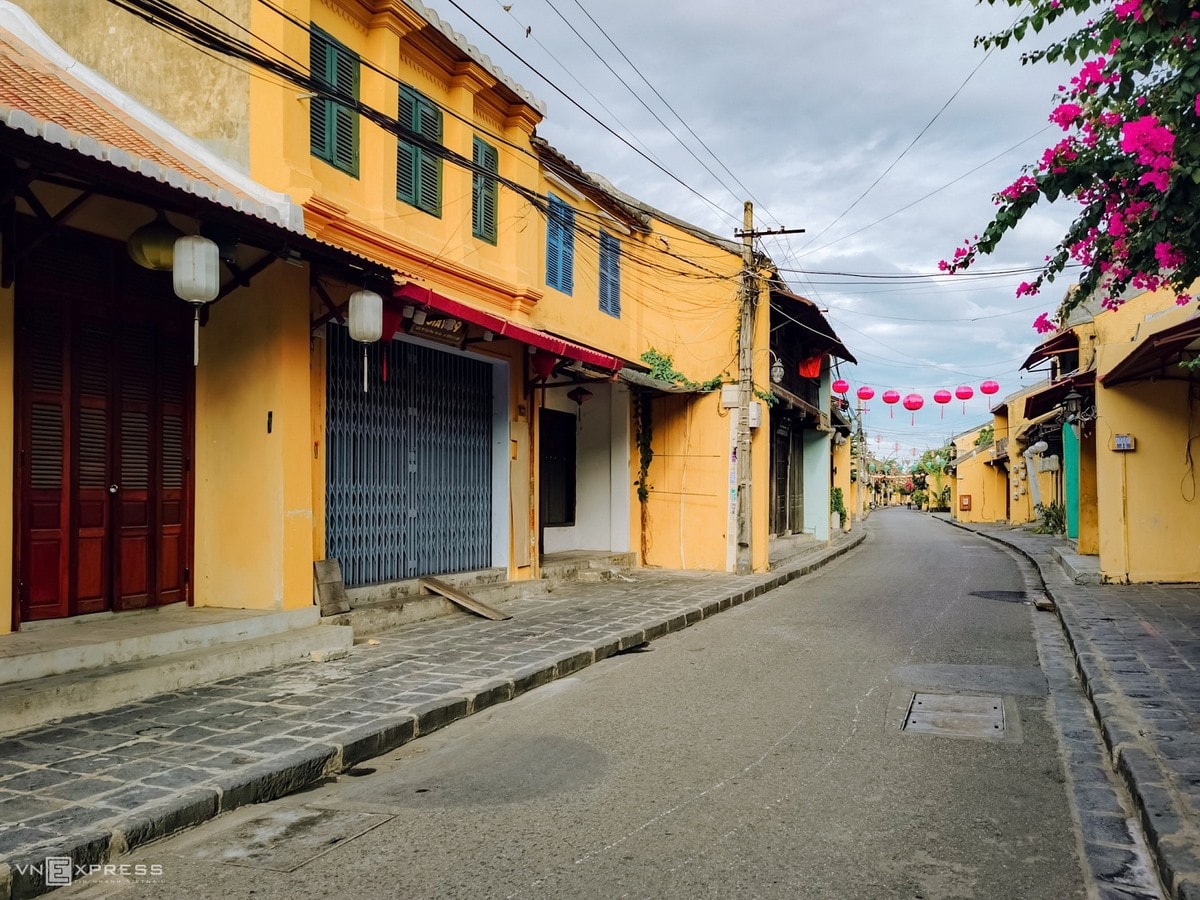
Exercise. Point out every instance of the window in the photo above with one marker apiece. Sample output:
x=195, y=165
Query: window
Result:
x=418, y=166
x=610, y=275
x=560, y=246
x=333, y=128
x=483, y=208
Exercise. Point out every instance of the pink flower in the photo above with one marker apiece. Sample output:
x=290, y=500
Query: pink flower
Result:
x=1183, y=299
x=1066, y=115
x=1043, y=325
x=1019, y=188
x=1198, y=104
x=1026, y=289
x=1168, y=256
x=1128, y=8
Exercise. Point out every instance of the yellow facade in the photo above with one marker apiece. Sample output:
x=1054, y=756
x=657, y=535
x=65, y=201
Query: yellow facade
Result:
x=261, y=389
x=1148, y=507
x=843, y=464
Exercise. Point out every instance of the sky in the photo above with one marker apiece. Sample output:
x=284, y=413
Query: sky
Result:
x=879, y=128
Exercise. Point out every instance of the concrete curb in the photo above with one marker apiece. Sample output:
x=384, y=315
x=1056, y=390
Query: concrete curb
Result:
x=1144, y=778
x=20, y=877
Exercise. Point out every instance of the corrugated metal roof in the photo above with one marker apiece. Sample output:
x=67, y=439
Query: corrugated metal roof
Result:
x=47, y=94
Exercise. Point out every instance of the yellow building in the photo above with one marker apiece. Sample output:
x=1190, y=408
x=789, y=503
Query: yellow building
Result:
x=1127, y=406
x=435, y=345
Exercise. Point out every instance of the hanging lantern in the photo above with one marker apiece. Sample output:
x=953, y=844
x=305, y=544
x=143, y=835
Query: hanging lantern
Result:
x=866, y=393
x=942, y=398
x=543, y=363
x=841, y=386
x=878, y=439
x=912, y=403
x=891, y=398
x=365, y=318
x=964, y=392
x=196, y=277
x=989, y=387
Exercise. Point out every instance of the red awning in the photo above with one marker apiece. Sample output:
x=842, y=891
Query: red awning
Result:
x=1063, y=342
x=501, y=327
x=1051, y=397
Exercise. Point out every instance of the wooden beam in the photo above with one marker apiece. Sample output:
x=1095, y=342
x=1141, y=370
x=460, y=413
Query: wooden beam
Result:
x=466, y=601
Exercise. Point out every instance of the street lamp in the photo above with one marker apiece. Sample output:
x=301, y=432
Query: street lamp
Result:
x=1073, y=403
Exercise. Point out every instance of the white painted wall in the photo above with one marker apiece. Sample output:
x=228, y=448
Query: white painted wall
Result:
x=601, y=471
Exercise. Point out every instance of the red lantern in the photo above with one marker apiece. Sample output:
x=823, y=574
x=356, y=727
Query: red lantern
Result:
x=942, y=398
x=841, y=386
x=866, y=393
x=890, y=398
x=964, y=393
x=989, y=387
x=912, y=403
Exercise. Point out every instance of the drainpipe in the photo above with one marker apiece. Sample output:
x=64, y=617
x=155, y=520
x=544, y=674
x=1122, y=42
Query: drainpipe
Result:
x=1035, y=491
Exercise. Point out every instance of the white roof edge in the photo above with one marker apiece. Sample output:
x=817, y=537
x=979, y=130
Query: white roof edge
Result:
x=476, y=54
x=277, y=207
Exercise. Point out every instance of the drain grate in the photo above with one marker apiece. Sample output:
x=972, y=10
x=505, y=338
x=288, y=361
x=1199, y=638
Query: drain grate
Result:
x=956, y=715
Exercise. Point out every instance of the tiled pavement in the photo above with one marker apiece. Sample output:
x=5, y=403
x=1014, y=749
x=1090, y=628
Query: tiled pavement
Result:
x=93, y=787
x=1137, y=651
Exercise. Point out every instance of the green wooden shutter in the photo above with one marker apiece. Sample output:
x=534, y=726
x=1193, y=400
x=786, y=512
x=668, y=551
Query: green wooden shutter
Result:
x=483, y=208
x=419, y=171
x=333, y=127
x=406, y=153
x=429, y=122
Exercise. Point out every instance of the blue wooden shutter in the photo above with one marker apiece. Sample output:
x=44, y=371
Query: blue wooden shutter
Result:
x=610, y=275
x=560, y=246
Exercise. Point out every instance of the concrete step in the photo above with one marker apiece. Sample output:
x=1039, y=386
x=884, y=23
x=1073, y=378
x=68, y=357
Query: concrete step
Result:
x=588, y=568
x=43, y=649
x=39, y=701
x=371, y=617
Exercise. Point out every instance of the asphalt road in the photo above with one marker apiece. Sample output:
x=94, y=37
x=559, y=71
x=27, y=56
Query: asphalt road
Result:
x=756, y=754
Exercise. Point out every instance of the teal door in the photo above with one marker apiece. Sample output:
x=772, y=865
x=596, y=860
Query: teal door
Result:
x=1071, y=479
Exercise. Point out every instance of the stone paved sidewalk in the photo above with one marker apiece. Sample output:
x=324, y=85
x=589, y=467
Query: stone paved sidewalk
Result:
x=1137, y=649
x=93, y=787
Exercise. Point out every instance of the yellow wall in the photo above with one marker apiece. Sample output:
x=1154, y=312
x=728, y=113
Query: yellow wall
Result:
x=1149, y=509
x=1149, y=512
x=254, y=490
x=7, y=441
x=843, y=463
x=1089, y=503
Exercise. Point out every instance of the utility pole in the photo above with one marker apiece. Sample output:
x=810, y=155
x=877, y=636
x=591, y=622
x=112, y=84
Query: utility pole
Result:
x=745, y=564
x=745, y=533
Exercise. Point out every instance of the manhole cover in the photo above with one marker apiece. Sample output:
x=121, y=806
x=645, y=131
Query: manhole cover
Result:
x=956, y=715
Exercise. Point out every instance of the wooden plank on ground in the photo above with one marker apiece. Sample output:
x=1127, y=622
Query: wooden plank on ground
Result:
x=461, y=598
x=331, y=591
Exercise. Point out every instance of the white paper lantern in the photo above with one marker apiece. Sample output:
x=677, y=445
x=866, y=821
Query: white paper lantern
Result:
x=366, y=316
x=196, y=275
x=197, y=269
x=365, y=319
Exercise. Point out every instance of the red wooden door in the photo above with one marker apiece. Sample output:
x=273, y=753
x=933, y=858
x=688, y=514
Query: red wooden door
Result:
x=104, y=505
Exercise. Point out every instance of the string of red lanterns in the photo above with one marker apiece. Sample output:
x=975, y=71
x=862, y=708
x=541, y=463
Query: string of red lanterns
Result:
x=913, y=402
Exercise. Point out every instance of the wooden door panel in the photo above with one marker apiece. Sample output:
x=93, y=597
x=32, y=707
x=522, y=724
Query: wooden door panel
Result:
x=104, y=507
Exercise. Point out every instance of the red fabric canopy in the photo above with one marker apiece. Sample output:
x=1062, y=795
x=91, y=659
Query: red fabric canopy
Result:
x=501, y=327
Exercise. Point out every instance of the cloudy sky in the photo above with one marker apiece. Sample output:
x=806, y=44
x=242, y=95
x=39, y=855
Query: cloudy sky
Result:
x=810, y=108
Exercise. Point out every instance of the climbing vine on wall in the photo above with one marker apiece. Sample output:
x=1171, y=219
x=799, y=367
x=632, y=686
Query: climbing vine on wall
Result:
x=662, y=367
